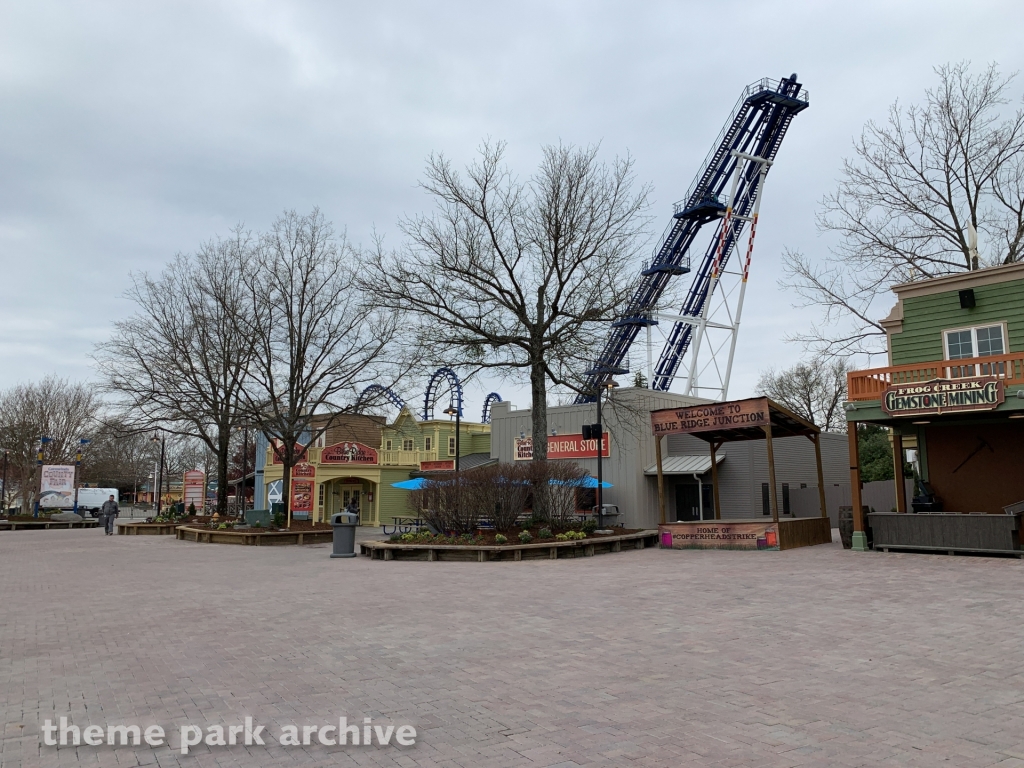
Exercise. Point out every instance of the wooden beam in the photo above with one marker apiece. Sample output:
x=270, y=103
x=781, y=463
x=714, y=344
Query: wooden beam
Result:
x=858, y=509
x=772, y=492
x=661, y=479
x=897, y=460
x=714, y=479
x=816, y=439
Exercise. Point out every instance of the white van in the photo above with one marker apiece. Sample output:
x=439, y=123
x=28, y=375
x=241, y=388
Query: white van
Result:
x=89, y=500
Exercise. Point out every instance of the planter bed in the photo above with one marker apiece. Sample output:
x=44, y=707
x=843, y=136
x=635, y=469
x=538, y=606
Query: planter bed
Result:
x=253, y=537
x=147, y=529
x=548, y=549
x=12, y=525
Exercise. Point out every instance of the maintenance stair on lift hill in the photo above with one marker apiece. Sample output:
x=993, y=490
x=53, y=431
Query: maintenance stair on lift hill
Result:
x=756, y=128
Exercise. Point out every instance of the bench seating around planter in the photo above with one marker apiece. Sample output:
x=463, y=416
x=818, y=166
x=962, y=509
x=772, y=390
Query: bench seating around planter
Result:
x=253, y=538
x=545, y=550
x=13, y=525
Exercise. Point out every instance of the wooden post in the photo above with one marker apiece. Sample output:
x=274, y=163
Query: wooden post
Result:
x=714, y=479
x=816, y=439
x=897, y=460
x=860, y=539
x=661, y=479
x=773, y=495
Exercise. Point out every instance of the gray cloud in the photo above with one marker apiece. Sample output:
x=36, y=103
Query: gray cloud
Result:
x=132, y=131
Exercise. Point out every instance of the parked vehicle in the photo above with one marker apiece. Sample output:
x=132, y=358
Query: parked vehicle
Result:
x=89, y=500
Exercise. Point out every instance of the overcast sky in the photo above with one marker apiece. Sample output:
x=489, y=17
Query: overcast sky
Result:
x=132, y=131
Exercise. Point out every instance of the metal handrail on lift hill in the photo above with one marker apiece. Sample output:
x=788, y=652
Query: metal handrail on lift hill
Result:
x=756, y=126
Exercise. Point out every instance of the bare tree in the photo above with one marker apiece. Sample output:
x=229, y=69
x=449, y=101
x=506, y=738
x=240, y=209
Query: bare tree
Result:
x=515, y=276
x=937, y=189
x=814, y=389
x=54, y=408
x=319, y=339
x=181, y=360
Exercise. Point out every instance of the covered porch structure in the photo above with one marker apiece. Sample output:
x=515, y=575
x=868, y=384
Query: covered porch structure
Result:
x=719, y=423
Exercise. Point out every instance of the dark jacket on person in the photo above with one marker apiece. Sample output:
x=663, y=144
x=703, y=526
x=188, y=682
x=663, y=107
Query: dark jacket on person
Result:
x=110, y=508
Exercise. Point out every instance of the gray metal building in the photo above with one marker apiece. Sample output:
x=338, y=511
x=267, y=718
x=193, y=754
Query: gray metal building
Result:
x=742, y=468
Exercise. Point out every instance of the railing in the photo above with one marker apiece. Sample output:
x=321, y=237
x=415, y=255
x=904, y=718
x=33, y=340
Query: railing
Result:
x=870, y=384
x=408, y=458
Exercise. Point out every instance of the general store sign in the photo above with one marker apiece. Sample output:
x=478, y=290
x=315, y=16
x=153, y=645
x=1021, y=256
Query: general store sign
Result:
x=711, y=417
x=436, y=466
x=943, y=396
x=563, y=447
x=348, y=453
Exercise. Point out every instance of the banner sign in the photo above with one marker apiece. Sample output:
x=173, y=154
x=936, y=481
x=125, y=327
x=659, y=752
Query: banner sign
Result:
x=711, y=417
x=563, y=447
x=57, y=485
x=943, y=396
x=719, y=534
x=348, y=453
x=277, y=459
x=194, y=485
x=302, y=495
x=437, y=466
x=303, y=469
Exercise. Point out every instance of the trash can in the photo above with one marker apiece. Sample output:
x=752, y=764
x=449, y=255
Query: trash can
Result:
x=344, y=524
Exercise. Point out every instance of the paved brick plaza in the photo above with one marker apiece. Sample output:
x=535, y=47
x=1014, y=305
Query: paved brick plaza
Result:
x=814, y=657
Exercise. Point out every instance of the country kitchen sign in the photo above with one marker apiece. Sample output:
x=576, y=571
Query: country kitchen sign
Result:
x=563, y=447
x=943, y=396
x=348, y=452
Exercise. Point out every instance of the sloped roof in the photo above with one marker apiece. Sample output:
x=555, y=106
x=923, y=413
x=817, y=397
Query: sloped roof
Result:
x=684, y=465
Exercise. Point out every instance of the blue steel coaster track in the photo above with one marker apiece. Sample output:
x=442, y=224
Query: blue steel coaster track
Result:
x=758, y=124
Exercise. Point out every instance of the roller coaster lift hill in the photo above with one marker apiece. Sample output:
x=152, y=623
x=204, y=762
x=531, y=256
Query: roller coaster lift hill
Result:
x=726, y=191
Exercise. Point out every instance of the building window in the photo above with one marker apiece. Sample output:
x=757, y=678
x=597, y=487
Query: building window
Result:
x=387, y=445
x=428, y=443
x=451, y=446
x=975, y=342
x=321, y=495
x=785, y=499
x=766, y=501
x=407, y=444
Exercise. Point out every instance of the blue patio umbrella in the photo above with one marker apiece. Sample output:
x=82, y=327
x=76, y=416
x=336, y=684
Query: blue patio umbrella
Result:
x=414, y=484
x=587, y=482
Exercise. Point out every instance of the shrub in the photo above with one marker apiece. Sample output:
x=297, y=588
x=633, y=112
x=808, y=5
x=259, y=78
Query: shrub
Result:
x=525, y=537
x=544, y=533
x=571, y=536
x=501, y=539
x=257, y=524
x=408, y=537
x=279, y=519
x=192, y=508
x=222, y=527
x=396, y=537
x=589, y=526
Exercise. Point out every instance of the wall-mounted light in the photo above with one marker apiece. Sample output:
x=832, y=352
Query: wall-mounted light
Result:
x=1020, y=394
x=923, y=421
x=522, y=435
x=554, y=432
x=850, y=407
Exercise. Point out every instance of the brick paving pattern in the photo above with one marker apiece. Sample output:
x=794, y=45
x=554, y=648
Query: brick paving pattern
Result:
x=814, y=657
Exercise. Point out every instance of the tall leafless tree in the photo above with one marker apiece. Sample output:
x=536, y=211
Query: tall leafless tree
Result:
x=181, y=360
x=54, y=408
x=512, y=276
x=910, y=201
x=319, y=339
x=814, y=389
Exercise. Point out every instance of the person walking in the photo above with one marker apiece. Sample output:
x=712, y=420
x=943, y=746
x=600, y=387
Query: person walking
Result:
x=108, y=512
x=352, y=508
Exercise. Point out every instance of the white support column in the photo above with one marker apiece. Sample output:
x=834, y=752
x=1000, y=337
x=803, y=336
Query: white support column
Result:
x=746, y=274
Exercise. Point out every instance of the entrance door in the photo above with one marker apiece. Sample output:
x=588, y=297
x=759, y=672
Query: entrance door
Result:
x=350, y=494
x=687, y=502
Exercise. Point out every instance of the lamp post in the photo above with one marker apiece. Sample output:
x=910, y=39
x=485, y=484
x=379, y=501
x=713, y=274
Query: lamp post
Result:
x=43, y=440
x=4, y=510
x=608, y=384
x=245, y=467
x=78, y=463
x=162, y=439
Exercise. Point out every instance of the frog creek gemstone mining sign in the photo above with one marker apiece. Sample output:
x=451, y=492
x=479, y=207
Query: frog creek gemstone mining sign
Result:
x=943, y=396
x=711, y=417
x=718, y=534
